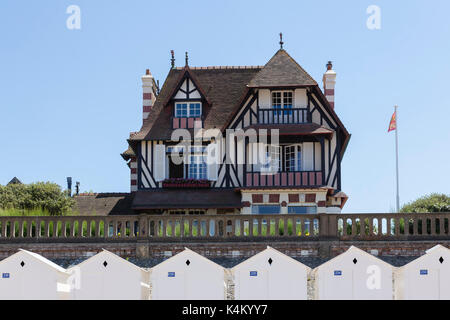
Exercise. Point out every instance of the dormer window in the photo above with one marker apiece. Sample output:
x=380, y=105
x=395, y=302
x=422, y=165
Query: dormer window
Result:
x=188, y=109
x=282, y=100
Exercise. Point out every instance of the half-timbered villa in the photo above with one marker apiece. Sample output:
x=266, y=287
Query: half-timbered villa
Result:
x=277, y=145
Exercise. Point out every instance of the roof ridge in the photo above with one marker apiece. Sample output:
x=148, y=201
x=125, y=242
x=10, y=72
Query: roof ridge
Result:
x=220, y=67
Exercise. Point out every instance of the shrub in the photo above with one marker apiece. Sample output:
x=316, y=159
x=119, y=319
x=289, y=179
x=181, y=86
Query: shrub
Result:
x=44, y=196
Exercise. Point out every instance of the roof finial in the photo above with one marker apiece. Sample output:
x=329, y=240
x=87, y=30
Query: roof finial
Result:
x=172, y=61
x=187, y=59
x=281, y=40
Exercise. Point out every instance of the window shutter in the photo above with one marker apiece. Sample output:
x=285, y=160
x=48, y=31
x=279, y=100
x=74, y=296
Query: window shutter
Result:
x=212, y=161
x=159, y=162
x=308, y=156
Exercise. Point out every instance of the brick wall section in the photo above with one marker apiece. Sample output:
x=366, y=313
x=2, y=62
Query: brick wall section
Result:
x=224, y=249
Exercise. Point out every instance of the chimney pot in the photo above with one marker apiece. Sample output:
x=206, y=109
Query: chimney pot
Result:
x=329, y=65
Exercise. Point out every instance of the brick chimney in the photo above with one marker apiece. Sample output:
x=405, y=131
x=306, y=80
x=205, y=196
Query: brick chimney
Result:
x=329, y=81
x=149, y=93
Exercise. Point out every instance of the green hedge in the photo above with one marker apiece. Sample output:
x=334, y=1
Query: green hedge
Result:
x=34, y=198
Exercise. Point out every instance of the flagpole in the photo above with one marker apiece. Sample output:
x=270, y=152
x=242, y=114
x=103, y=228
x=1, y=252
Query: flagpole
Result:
x=396, y=156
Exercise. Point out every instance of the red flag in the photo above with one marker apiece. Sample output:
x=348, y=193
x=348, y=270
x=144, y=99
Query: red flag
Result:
x=393, y=123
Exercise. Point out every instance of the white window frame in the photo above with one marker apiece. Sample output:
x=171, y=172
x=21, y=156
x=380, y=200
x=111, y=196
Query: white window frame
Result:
x=298, y=162
x=198, y=165
x=188, y=109
x=283, y=103
x=263, y=161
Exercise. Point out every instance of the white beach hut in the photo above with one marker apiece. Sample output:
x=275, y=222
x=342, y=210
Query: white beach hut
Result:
x=106, y=276
x=270, y=275
x=354, y=275
x=188, y=275
x=425, y=278
x=29, y=276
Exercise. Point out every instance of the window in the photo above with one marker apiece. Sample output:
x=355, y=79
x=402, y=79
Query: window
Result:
x=265, y=209
x=293, y=158
x=271, y=162
x=195, y=110
x=282, y=100
x=197, y=167
x=181, y=110
x=302, y=209
x=188, y=110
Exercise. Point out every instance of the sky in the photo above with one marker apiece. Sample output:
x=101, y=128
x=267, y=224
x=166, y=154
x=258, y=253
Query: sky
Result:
x=70, y=97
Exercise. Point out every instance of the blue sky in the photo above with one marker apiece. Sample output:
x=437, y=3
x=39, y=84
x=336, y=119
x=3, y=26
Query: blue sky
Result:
x=69, y=98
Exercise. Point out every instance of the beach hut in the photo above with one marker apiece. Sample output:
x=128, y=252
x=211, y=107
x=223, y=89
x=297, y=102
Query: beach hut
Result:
x=425, y=278
x=106, y=276
x=188, y=275
x=270, y=275
x=354, y=275
x=29, y=276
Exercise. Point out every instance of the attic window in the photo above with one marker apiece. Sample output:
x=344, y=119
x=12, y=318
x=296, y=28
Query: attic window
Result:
x=188, y=109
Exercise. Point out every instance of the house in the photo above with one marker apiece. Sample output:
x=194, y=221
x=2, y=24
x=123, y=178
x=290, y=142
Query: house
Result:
x=106, y=276
x=14, y=180
x=354, y=275
x=27, y=275
x=270, y=275
x=188, y=276
x=231, y=140
x=427, y=277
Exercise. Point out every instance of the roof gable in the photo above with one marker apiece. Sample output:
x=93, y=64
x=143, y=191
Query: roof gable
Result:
x=105, y=254
x=353, y=251
x=270, y=251
x=186, y=254
x=40, y=259
x=187, y=87
x=434, y=252
x=282, y=71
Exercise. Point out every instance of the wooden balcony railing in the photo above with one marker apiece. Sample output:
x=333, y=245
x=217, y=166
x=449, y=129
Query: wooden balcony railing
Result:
x=283, y=116
x=397, y=226
x=284, y=179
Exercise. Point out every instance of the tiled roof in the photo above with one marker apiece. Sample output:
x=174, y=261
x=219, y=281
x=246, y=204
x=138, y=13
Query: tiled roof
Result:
x=103, y=204
x=224, y=88
x=187, y=199
x=282, y=71
x=127, y=154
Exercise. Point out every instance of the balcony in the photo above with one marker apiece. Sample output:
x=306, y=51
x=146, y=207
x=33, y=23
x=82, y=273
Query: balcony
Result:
x=284, y=179
x=283, y=116
x=186, y=183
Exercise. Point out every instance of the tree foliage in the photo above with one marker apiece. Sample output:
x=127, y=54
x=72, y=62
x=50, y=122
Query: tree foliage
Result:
x=46, y=196
x=434, y=202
